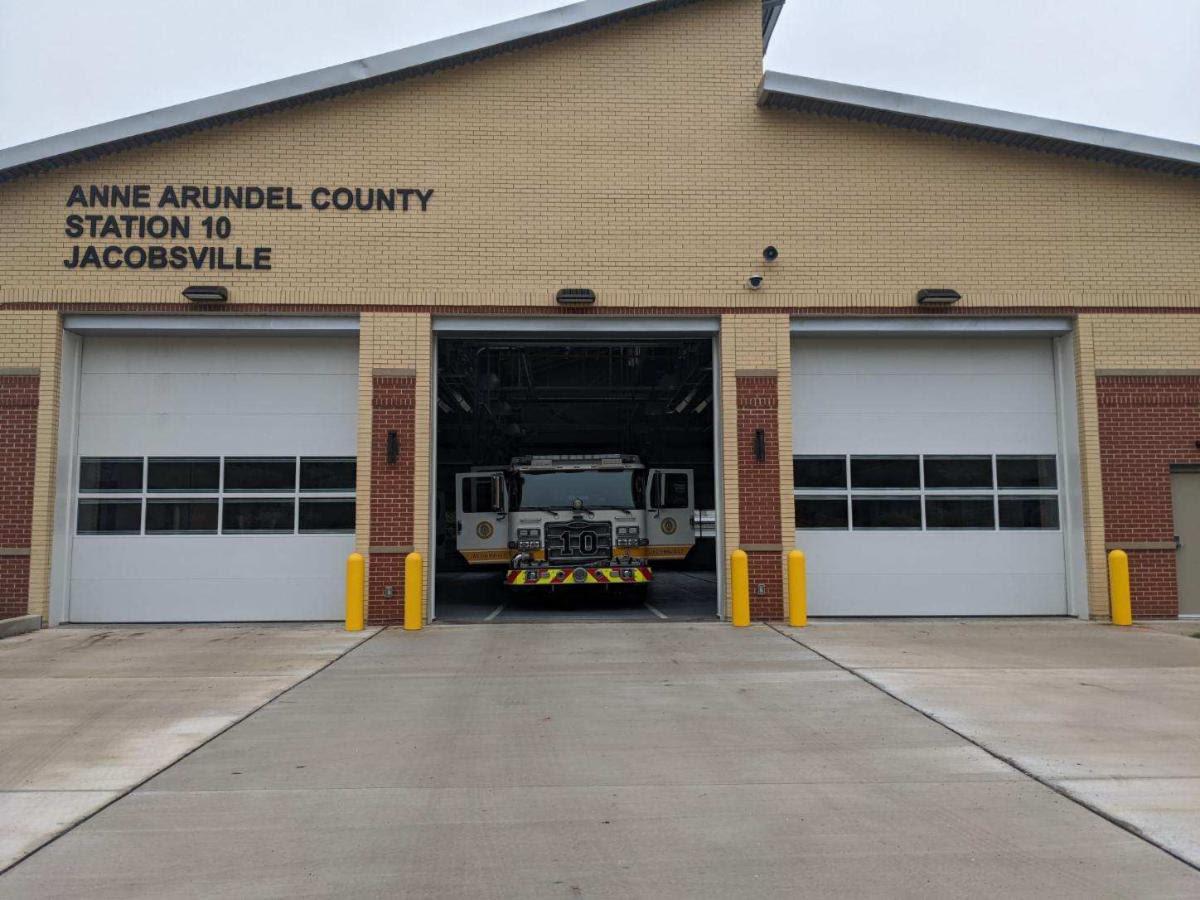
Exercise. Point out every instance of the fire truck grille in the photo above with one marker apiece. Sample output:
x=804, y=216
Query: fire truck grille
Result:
x=578, y=541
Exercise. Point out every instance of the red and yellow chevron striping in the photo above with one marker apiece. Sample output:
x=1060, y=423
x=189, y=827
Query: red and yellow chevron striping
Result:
x=550, y=577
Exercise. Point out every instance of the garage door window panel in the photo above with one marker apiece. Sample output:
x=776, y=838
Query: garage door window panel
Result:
x=109, y=517
x=327, y=516
x=260, y=474
x=960, y=512
x=1028, y=512
x=884, y=472
x=819, y=473
x=334, y=474
x=828, y=512
x=1027, y=472
x=958, y=472
x=895, y=512
x=98, y=474
x=258, y=517
x=172, y=475
x=181, y=516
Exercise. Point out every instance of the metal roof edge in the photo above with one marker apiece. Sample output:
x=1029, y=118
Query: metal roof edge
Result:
x=97, y=139
x=780, y=89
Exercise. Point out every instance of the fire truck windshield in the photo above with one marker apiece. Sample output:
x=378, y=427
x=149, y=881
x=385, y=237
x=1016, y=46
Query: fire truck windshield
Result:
x=593, y=489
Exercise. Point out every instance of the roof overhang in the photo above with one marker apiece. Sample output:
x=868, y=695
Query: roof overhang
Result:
x=779, y=90
x=194, y=115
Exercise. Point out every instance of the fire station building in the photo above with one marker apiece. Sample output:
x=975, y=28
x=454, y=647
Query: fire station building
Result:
x=952, y=353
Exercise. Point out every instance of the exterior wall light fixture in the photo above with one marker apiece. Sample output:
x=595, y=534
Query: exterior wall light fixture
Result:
x=206, y=294
x=937, y=296
x=576, y=296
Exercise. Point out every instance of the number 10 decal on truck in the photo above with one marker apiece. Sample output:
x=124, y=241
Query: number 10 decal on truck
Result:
x=573, y=520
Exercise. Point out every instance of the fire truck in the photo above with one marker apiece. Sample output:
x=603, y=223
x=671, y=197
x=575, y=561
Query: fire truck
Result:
x=565, y=520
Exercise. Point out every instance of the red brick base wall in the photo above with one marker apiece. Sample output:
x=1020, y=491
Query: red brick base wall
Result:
x=18, y=451
x=392, y=409
x=1147, y=424
x=765, y=571
x=758, y=491
x=14, y=586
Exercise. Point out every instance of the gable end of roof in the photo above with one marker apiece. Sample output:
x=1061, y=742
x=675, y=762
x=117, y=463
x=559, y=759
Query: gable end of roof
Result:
x=826, y=98
x=180, y=120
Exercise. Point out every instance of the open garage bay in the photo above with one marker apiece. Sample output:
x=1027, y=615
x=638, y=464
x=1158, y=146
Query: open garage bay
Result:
x=504, y=397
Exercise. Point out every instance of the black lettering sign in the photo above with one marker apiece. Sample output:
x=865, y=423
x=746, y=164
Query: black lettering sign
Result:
x=110, y=222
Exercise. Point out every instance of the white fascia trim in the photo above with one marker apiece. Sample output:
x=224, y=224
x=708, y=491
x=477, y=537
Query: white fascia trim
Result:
x=932, y=108
x=569, y=326
x=211, y=324
x=320, y=79
x=912, y=327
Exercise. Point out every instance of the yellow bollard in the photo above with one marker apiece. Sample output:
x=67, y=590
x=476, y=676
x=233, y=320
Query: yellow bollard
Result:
x=739, y=572
x=412, y=592
x=797, y=590
x=355, y=567
x=1119, y=598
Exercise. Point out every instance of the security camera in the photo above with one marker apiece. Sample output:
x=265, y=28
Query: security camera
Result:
x=770, y=253
x=754, y=282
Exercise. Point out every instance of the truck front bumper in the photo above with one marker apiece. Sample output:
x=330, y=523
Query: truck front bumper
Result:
x=551, y=576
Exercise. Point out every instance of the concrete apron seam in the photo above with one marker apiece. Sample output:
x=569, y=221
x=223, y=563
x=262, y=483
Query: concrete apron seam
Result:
x=121, y=795
x=1012, y=763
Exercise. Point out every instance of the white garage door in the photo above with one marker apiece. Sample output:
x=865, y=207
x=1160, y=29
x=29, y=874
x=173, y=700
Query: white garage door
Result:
x=927, y=476
x=215, y=479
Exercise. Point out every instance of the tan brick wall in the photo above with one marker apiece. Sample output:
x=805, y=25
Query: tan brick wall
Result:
x=634, y=160
x=1138, y=343
x=1089, y=461
x=395, y=342
x=755, y=343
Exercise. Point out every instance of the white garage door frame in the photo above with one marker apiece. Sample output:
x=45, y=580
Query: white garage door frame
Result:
x=569, y=328
x=75, y=329
x=1060, y=332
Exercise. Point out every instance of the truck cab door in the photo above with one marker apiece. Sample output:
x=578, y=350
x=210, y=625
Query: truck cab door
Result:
x=481, y=513
x=669, y=503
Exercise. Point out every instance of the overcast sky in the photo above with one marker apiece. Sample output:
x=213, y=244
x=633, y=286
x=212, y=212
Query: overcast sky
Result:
x=65, y=64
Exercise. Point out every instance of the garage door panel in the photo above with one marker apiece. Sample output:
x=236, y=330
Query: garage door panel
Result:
x=978, y=594
x=234, y=557
x=899, y=356
x=217, y=394
x=1016, y=392
x=205, y=600
x=233, y=435
x=931, y=573
x=216, y=355
x=222, y=397
x=907, y=433
x=920, y=397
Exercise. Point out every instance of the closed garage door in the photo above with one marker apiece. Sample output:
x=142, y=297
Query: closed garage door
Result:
x=926, y=476
x=214, y=480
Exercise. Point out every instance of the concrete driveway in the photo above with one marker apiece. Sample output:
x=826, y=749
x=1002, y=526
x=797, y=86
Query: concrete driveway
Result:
x=1110, y=716
x=88, y=713
x=576, y=760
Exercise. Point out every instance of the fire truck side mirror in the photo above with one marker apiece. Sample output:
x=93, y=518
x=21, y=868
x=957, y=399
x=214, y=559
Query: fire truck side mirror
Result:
x=497, y=494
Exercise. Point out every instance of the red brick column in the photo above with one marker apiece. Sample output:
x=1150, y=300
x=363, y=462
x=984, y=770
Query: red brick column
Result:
x=392, y=410
x=758, y=490
x=1147, y=423
x=18, y=451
